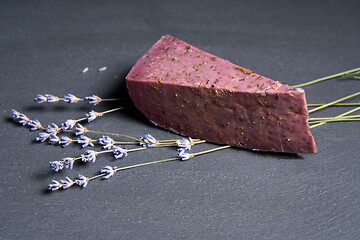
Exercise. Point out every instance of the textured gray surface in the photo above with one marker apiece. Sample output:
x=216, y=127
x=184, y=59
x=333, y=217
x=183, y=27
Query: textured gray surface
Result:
x=231, y=194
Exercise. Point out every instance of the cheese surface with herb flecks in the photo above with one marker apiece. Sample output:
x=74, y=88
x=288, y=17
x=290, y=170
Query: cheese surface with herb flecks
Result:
x=194, y=93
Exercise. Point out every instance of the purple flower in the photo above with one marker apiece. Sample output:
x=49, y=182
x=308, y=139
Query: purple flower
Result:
x=55, y=185
x=92, y=115
x=53, y=129
x=91, y=155
x=71, y=98
x=85, y=70
x=107, y=142
x=80, y=129
x=102, y=69
x=185, y=143
x=23, y=119
x=52, y=98
x=65, y=141
x=183, y=155
x=148, y=141
x=119, y=152
x=66, y=183
x=40, y=98
x=15, y=114
x=70, y=123
x=85, y=141
x=54, y=139
x=56, y=165
x=93, y=99
x=68, y=162
x=42, y=137
x=82, y=181
x=109, y=170
x=35, y=125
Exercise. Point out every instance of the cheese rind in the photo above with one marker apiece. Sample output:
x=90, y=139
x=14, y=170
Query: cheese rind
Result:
x=193, y=93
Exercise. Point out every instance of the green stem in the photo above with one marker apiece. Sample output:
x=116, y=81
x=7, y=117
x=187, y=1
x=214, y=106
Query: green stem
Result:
x=337, y=104
x=212, y=150
x=147, y=163
x=336, y=120
x=327, y=78
x=339, y=116
x=333, y=102
x=112, y=110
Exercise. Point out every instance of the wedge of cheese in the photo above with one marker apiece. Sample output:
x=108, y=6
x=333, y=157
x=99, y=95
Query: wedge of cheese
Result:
x=193, y=93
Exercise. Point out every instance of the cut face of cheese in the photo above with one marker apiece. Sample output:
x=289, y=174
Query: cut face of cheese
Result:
x=193, y=93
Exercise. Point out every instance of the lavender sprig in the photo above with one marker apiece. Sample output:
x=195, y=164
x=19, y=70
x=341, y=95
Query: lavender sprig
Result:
x=53, y=139
x=119, y=152
x=148, y=141
x=184, y=155
x=46, y=98
x=65, y=141
x=82, y=181
x=80, y=129
x=15, y=114
x=68, y=162
x=85, y=141
x=95, y=100
x=185, y=143
x=35, y=125
x=56, y=165
x=107, y=142
x=55, y=185
x=53, y=129
x=70, y=98
x=91, y=155
x=42, y=137
x=92, y=115
x=70, y=123
x=66, y=183
x=23, y=119
x=109, y=171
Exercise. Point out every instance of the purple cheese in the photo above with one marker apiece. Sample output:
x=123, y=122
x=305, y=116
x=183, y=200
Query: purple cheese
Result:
x=194, y=93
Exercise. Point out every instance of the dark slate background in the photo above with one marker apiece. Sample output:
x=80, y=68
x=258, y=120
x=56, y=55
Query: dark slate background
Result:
x=231, y=194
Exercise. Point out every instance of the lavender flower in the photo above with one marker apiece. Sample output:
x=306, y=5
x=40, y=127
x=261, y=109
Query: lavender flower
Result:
x=183, y=155
x=91, y=155
x=42, y=137
x=68, y=162
x=80, y=129
x=70, y=123
x=40, y=98
x=102, y=69
x=56, y=165
x=65, y=141
x=109, y=170
x=52, y=98
x=92, y=115
x=53, y=139
x=23, y=119
x=148, y=141
x=85, y=70
x=34, y=124
x=93, y=99
x=107, y=142
x=53, y=129
x=82, y=181
x=185, y=143
x=71, y=98
x=66, y=183
x=85, y=141
x=15, y=114
x=55, y=185
x=119, y=152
